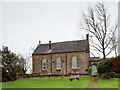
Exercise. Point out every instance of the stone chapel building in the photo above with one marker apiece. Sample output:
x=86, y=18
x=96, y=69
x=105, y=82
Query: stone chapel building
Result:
x=62, y=58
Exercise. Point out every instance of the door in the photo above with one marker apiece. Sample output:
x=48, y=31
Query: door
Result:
x=94, y=69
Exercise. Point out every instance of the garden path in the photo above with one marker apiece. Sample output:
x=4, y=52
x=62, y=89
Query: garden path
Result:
x=93, y=84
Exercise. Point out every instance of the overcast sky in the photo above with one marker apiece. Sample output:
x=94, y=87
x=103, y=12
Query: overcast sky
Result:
x=24, y=24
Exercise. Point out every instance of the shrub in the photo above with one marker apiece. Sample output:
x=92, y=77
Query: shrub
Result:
x=105, y=76
x=116, y=64
x=4, y=79
x=109, y=75
x=117, y=75
x=104, y=66
x=109, y=68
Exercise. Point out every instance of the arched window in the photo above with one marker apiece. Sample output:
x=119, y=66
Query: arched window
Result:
x=44, y=64
x=58, y=63
x=74, y=62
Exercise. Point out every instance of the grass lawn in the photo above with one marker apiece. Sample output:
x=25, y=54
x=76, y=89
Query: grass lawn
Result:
x=108, y=83
x=55, y=82
x=48, y=83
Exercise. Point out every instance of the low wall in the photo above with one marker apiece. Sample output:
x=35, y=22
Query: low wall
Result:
x=38, y=75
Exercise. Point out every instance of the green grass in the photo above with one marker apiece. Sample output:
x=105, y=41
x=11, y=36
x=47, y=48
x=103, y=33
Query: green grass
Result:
x=108, y=83
x=48, y=83
x=119, y=83
x=55, y=82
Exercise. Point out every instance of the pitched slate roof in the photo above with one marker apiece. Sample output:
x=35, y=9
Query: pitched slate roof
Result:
x=60, y=47
x=94, y=59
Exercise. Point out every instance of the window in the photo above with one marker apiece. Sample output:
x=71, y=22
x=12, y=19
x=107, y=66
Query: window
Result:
x=58, y=63
x=44, y=64
x=74, y=62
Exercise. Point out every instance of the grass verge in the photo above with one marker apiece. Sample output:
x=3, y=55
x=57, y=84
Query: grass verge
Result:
x=47, y=82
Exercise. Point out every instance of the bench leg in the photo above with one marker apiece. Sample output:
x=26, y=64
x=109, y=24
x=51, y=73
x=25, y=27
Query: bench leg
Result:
x=77, y=78
x=70, y=79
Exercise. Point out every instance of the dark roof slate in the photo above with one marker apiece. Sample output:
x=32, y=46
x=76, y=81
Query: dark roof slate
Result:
x=60, y=47
x=94, y=59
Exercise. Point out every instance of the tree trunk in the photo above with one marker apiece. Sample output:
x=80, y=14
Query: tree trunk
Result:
x=104, y=54
x=103, y=50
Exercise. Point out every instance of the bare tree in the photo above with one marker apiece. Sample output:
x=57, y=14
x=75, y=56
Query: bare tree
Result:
x=30, y=55
x=96, y=22
x=24, y=62
x=114, y=40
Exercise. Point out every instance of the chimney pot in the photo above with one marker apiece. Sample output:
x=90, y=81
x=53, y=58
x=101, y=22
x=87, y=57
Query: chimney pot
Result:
x=87, y=37
x=49, y=45
x=39, y=42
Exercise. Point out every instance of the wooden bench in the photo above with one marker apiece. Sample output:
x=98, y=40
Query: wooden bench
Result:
x=74, y=77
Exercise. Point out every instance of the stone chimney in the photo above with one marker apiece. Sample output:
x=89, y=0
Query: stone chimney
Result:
x=49, y=45
x=87, y=37
x=39, y=42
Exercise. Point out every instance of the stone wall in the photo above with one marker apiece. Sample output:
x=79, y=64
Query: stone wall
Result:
x=37, y=64
x=66, y=63
x=82, y=62
x=63, y=64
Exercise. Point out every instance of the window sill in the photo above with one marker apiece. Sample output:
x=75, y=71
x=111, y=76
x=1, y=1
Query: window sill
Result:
x=44, y=70
x=75, y=69
x=58, y=69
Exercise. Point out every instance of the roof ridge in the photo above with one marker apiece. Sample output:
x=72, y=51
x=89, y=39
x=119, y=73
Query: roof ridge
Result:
x=64, y=42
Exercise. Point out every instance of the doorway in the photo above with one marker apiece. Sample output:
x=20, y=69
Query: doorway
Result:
x=94, y=69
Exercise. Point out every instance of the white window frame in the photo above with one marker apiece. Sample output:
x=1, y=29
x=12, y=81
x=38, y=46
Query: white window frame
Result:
x=74, y=61
x=44, y=65
x=58, y=63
